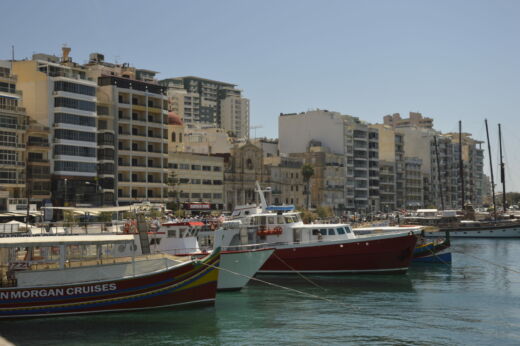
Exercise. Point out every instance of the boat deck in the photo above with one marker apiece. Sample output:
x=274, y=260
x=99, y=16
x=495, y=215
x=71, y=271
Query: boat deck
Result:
x=7, y=277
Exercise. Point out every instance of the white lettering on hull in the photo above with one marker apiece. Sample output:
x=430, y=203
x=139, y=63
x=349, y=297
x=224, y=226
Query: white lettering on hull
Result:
x=58, y=292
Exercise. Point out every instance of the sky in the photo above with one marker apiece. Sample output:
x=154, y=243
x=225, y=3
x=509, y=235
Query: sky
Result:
x=448, y=59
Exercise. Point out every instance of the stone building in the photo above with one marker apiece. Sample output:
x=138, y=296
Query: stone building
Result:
x=243, y=168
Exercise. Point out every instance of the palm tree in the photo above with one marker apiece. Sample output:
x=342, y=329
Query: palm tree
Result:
x=307, y=173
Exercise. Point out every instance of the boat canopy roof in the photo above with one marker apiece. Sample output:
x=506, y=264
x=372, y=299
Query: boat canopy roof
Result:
x=280, y=208
x=65, y=240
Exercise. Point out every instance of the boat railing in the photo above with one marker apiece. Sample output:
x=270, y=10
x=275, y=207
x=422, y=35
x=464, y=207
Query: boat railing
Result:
x=8, y=276
x=246, y=247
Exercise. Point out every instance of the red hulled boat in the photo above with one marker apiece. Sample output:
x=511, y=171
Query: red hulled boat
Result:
x=81, y=281
x=317, y=248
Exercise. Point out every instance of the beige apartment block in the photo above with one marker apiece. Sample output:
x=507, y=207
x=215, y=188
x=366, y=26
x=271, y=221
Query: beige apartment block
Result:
x=206, y=102
x=328, y=182
x=13, y=123
x=137, y=120
x=415, y=119
x=284, y=176
x=38, y=163
x=199, y=180
x=199, y=139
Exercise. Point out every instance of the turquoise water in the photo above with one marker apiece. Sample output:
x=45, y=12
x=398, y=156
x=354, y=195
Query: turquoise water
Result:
x=472, y=303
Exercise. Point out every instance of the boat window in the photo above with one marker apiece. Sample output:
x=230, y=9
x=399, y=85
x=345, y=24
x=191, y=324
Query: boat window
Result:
x=270, y=220
x=155, y=241
x=348, y=229
x=331, y=231
x=323, y=231
x=280, y=219
x=340, y=230
x=172, y=233
x=289, y=219
x=263, y=220
x=315, y=231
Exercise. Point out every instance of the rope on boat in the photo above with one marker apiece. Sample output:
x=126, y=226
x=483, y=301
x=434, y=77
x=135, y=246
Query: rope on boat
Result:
x=439, y=258
x=490, y=262
x=282, y=287
x=297, y=272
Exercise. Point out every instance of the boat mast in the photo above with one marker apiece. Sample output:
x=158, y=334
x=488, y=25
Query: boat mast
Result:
x=438, y=171
x=502, y=171
x=491, y=168
x=461, y=165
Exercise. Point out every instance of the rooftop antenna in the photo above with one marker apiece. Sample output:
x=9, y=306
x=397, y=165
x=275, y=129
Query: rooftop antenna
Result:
x=254, y=127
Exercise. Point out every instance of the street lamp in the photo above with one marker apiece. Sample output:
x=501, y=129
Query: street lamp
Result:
x=65, y=198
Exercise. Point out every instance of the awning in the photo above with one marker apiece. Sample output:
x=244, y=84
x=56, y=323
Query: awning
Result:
x=65, y=240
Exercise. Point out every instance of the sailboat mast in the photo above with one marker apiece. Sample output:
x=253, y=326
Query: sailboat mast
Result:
x=502, y=171
x=491, y=168
x=461, y=165
x=438, y=171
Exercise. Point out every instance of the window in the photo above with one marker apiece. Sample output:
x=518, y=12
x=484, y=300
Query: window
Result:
x=195, y=167
x=75, y=135
x=331, y=231
x=75, y=88
x=75, y=166
x=74, y=151
x=217, y=195
x=323, y=231
x=195, y=181
x=173, y=137
x=206, y=168
x=184, y=166
x=217, y=169
x=8, y=157
x=8, y=139
x=75, y=104
x=8, y=122
x=340, y=230
x=8, y=176
x=67, y=118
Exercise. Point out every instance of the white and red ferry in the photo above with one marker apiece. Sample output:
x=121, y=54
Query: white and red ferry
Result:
x=317, y=248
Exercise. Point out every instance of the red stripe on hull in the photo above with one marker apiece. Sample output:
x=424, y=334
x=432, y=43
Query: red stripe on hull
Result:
x=188, y=283
x=392, y=254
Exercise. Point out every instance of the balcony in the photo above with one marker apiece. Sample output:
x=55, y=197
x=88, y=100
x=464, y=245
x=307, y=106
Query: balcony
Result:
x=39, y=160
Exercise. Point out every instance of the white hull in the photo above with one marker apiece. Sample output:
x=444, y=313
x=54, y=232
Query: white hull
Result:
x=245, y=263
x=495, y=233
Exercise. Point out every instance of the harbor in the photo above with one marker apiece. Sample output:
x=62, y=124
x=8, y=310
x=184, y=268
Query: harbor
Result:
x=471, y=300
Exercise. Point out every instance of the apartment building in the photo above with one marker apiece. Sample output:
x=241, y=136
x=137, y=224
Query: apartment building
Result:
x=134, y=127
x=413, y=183
x=208, y=102
x=284, y=176
x=327, y=185
x=59, y=95
x=415, y=119
x=38, y=163
x=343, y=135
x=199, y=181
x=13, y=123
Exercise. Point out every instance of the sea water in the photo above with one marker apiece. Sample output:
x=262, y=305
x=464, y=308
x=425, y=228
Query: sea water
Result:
x=475, y=301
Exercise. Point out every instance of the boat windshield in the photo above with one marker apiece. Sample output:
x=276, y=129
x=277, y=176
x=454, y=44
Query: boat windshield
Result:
x=291, y=218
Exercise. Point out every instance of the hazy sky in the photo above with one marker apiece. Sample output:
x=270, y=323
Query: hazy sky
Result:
x=451, y=60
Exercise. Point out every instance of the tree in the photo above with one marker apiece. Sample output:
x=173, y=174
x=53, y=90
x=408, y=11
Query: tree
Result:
x=171, y=181
x=307, y=173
